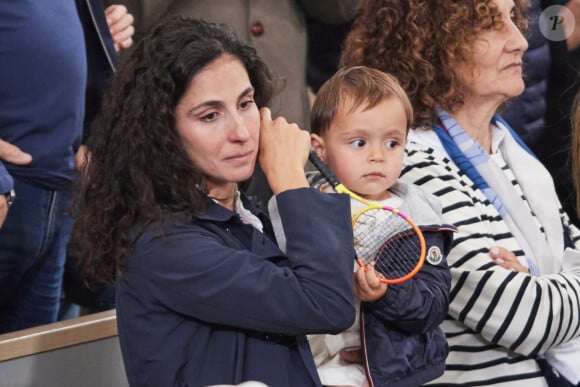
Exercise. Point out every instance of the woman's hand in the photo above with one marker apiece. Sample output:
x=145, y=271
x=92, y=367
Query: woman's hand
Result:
x=506, y=259
x=283, y=152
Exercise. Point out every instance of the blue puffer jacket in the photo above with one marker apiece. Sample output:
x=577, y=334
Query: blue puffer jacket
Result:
x=403, y=344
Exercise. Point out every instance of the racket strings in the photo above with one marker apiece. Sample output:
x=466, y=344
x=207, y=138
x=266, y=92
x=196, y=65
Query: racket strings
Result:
x=388, y=241
x=398, y=257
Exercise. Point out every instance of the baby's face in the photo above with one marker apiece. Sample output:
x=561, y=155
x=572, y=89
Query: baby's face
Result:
x=365, y=147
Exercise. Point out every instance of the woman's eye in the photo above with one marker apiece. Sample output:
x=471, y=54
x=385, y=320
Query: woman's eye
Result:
x=209, y=117
x=247, y=103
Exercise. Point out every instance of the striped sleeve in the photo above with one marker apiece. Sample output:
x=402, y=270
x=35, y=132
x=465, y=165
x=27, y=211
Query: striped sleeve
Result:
x=525, y=314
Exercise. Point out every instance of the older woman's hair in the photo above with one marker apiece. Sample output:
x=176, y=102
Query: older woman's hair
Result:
x=364, y=85
x=138, y=169
x=575, y=151
x=421, y=42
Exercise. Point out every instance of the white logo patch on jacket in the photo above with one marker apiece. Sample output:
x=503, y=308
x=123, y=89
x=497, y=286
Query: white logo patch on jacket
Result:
x=434, y=255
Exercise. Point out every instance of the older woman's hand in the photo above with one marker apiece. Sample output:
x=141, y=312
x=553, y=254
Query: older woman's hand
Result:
x=506, y=259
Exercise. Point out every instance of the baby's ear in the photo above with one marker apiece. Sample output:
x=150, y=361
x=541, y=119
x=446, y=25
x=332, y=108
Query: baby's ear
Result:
x=317, y=143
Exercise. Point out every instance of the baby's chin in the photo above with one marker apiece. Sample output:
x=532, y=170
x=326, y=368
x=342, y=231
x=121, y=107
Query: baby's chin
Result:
x=375, y=195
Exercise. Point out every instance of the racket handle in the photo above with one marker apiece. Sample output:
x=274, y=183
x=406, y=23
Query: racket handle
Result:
x=323, y=169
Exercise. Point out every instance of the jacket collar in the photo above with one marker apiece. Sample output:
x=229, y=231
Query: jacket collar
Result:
x=215, y=212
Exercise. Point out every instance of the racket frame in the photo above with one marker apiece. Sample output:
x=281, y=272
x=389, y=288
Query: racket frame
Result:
x=340, y=188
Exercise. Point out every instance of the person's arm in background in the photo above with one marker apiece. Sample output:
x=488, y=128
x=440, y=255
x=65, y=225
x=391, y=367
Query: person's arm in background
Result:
x=11, y=154
x=496, y=303
x=145, y=12
x=120, y=23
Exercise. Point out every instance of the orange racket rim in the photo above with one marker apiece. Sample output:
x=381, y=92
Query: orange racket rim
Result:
x=420, y=237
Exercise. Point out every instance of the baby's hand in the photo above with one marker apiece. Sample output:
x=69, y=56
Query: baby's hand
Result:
x=507, y=259
x=367, y=286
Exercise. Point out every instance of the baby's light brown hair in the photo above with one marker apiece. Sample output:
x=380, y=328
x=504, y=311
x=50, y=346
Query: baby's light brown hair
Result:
x=366, y=86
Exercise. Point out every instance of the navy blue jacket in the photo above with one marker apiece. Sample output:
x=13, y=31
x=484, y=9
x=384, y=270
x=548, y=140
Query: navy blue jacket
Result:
x=215, y=301
x=403, y=344
x=401, y=339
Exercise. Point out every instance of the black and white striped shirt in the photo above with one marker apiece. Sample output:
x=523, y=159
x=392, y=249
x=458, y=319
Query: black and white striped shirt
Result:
x=498, y=320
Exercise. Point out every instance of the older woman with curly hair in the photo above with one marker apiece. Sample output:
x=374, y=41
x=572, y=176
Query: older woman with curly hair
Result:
x=204, y=295
x=512, y=316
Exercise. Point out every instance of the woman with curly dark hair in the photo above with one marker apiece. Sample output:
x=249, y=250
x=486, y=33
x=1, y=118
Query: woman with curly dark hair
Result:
x=460, y=61
x=204, y=296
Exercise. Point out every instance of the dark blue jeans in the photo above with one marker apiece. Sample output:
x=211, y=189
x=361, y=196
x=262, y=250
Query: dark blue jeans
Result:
x=33, y=243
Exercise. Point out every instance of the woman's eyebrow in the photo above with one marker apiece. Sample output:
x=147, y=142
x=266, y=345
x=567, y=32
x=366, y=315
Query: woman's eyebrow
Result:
x=214, y=103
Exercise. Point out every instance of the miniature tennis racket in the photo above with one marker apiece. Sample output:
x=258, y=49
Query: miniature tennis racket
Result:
x=383, y=236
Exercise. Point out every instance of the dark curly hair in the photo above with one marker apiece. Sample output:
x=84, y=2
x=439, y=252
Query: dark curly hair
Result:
x=137, y=169
x=421, y=42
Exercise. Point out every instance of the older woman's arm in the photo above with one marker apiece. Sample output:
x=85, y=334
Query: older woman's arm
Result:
x=517, y=311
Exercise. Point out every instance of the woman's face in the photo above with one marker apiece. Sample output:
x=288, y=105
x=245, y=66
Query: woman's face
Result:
x=219, y=123
x=496, y=71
